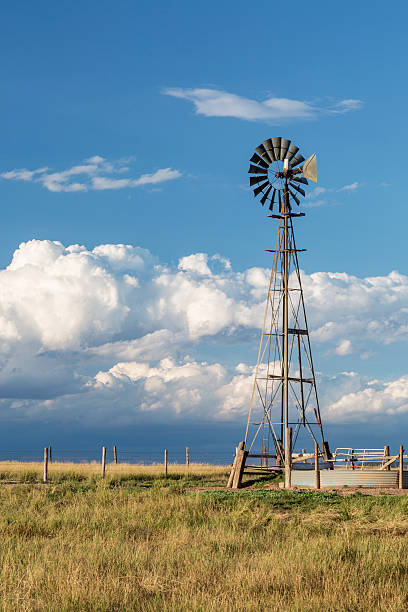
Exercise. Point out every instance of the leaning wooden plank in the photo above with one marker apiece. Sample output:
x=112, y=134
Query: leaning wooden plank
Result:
x=231, y=476
x=239, y=469
x=303, y=458
x=384, y=467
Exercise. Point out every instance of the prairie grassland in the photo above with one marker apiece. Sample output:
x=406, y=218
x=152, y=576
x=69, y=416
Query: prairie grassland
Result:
x=141, y=542
x=58, y=472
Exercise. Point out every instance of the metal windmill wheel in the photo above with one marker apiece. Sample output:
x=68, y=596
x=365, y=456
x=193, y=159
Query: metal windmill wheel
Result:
x=275, y=167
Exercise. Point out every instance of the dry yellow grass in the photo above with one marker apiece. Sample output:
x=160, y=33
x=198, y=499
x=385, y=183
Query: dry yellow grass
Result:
x=34, y=470
x=139, y=542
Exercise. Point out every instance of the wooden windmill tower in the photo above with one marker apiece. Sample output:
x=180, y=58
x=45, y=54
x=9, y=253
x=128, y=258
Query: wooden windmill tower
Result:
x=284, y=411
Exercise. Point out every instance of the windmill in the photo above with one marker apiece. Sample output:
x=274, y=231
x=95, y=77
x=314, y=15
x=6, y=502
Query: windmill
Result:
x=284, y=410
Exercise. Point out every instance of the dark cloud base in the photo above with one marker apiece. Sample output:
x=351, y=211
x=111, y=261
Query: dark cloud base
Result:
x=208, y=443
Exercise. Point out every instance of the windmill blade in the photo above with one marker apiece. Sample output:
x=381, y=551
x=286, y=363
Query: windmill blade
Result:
x=276, y=146
x=294, y=197
x=298, y=189
x=309, y=168
x=268, y=144
x=259, y=189
x=253, y=180
x=284, y=148
x=272, y=199
x=265, y=196
x=263, y=153
x=300, y=179
x=269, y=148
x=260, y=150
x=258, y=160
x=298, y=159
x=256, y=170
x=291, y=152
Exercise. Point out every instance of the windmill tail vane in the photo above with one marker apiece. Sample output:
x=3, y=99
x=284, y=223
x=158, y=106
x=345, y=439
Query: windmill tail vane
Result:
x=284, y=411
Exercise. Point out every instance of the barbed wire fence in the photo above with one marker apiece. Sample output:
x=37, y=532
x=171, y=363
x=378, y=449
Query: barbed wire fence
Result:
x=183, y=455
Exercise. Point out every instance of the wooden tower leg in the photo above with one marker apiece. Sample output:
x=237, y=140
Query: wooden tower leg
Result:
x=288, y=457
x=401, y=468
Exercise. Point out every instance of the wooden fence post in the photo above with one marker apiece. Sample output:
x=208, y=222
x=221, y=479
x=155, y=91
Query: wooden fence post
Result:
x=387, y=457
x=50, y=454
x=187, y=456
x=352, y=458
x=401, y=468
x=288, y=457
x=103, y=461
x=165, y=462
x=115, y=454
x=317, y=471
x=45, y=477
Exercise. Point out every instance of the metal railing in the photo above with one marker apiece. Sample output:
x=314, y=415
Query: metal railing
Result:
x=358, y=458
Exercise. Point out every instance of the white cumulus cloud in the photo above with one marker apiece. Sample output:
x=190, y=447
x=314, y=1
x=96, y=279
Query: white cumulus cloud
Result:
x=373, y=399
x=112, y=331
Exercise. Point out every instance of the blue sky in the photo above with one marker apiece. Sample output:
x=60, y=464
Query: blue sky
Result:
x=128, y=123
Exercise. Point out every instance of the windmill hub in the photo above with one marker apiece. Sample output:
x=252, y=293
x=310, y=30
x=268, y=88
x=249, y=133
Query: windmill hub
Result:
x=276, y=176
